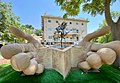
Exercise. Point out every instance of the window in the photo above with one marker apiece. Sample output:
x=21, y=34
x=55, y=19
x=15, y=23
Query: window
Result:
x=77, y=31
x=82, y=31
x=77, y=38
x=70, y=22
x=82, y=24
x=56, y=21
x=76, y=23
x=49, y=21
x=49, y=37
x=50, y=29
x=73, y=30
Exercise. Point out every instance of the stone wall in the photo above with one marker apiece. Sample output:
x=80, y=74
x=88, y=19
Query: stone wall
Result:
x=60, y=60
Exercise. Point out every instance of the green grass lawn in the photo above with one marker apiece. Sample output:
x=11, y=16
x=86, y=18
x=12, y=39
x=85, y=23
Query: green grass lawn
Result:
x=107, y=74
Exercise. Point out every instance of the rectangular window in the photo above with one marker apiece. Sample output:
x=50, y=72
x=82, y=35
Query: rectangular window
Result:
x=49, y=29
x=49, y=21
x=82, y=31
x=77, y=31
x=76, y=23
x=49, y=37
x=56, y=21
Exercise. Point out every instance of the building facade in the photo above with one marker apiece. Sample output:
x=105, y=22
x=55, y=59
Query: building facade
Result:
x=76, y=28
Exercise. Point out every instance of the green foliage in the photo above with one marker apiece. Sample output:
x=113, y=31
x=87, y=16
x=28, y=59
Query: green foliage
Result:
x=108, y=37
x=115, y=15
x=94, y=7
x=29, y=29
x=8, y=18
x=72, y=7
x=38, y=32
x=107, y=74
x=104, y=39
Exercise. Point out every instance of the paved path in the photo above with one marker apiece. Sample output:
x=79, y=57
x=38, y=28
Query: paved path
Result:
x=3, y=61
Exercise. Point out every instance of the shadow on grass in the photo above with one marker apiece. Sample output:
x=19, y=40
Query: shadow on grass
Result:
x=107, y=74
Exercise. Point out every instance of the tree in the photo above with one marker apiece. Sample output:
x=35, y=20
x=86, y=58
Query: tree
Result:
x=7, y=18
x=93, y=7
x=108, y=37
x=29, y=29
x=105, y=38
x=115, y=15
x=38, y=32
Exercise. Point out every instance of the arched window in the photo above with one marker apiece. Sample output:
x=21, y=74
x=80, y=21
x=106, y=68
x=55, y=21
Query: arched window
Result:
x=49, y=21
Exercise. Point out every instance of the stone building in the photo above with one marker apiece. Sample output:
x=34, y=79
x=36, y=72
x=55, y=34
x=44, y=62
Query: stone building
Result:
x=77, y=29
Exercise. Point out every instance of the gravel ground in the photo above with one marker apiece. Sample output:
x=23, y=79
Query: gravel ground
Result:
x=4, y=61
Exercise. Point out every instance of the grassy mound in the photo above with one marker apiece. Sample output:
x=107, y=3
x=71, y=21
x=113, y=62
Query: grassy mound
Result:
x=8, y=75
x=3, y=65
x=78, y=76
x=107, y=74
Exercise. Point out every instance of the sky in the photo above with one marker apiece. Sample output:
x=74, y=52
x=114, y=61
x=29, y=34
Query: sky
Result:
x=30, y=12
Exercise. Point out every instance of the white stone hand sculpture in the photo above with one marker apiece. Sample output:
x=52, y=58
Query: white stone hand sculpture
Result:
x=23, y=56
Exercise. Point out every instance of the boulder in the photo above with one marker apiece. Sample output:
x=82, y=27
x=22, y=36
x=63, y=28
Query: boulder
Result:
x=20, y=61
x=31, y=69
x=107, y=55
x=40, y=69
x=84, y=65
x=94, y=61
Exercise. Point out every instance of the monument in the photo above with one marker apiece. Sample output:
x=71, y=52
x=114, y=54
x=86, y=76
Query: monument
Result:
x=33, y=57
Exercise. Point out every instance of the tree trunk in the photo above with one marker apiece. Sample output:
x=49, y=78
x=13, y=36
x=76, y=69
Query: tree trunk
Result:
x=115, y=32
x=115, y=27
x=116, y=36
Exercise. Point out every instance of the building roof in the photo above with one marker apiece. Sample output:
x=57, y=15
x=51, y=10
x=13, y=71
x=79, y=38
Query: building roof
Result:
x=60, y=18
x=71, y=19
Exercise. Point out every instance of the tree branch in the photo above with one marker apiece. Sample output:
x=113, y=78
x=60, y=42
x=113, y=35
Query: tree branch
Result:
x=104, y=30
